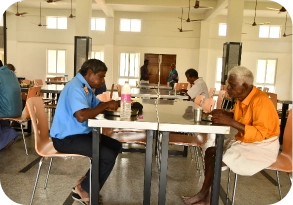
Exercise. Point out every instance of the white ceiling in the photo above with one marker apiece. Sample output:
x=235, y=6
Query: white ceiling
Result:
x=170, y=6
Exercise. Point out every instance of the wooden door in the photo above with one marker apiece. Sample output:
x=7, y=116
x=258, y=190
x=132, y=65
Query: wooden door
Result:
x=154, y=67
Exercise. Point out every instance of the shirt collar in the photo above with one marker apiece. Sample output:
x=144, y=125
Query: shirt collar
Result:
x=83, y=81
x=248, y=98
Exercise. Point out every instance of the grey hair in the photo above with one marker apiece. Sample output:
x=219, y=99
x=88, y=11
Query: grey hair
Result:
x=243, y=74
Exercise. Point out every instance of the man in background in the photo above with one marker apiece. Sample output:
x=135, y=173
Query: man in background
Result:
x=144, y=72
x=198, y=85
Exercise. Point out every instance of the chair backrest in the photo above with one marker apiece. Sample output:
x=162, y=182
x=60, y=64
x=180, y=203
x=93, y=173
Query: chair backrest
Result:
x=265, y=89
x=32, y=92
x=208, y=104
x=179, y=86
x=198, y=100
x=50, y=79
x=220, y=99
x=212, y=92
x=104, y=97
x=39, y=120
x=287, y=137
x=28, y=82
x=119, y=87
x=59, y=78
x=38, y=82
x=274, y=99
x=112, y=90
x=260, y=88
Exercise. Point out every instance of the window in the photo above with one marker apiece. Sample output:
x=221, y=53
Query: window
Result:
x=132, y=25
x=266, y=31
x=98, y=55
x=56, y=62
x=56, y=22
x=266, y=72
x=222, y=29
x=219, y=73
x=98, y=24
x=129, y=68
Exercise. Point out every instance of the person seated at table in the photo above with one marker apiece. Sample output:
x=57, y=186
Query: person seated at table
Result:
x=256, y=144
x=101, y=89
x=70, y=132
x=10, y=105
x=11, y=67
x=173, y=76
x=198, y=86
x=144, y=72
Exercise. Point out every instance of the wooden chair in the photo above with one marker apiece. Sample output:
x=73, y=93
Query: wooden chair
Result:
x=212, y=92
x=43, y=144
x=32, y=92
x=273, y=97
x=265, y=89
x=208, y=105
x=283, y=162
x=220, y=99
x=38, y=82
x=199, y=100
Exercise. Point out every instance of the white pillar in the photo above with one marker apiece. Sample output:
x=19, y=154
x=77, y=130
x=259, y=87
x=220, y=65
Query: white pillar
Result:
x=234, y=20
x=83, y=17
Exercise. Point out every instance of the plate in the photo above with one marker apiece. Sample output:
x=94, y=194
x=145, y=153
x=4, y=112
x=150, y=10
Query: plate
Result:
x=117, y=112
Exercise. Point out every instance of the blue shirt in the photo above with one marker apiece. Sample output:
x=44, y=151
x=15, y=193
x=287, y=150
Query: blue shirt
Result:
x=10, y=94
x=73, y=97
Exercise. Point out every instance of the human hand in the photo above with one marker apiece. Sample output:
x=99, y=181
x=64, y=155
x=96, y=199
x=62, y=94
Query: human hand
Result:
x=221, y=117
x=113, y=105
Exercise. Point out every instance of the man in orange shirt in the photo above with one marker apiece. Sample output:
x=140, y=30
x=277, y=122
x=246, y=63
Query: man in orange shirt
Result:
x=256, y=144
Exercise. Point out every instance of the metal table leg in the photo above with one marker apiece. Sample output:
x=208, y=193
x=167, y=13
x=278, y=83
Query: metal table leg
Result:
x=217, y=171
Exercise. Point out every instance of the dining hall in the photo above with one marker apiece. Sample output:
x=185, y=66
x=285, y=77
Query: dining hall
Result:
x=186, y=67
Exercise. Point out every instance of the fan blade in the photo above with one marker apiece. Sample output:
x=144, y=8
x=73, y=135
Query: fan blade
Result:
x=186, y=30
x=273, y=9
x=204, y=7
x=264, y=23
x=197, y=20
x=22, y=13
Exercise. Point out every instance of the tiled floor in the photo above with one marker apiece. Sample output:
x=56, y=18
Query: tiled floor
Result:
x=125, y=184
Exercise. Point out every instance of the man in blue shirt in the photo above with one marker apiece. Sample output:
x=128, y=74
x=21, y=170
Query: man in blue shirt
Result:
x=10, y=105
x=70, y=132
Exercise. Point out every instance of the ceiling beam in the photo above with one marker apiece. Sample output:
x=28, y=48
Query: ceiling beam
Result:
x=108, y=10
x=212, y=13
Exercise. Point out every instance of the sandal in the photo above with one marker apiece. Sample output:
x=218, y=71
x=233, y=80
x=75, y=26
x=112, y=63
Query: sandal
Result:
x=76, y=197
x=75, y=192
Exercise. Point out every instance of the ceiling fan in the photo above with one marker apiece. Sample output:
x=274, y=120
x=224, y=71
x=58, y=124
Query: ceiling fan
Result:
x=51, y=1
x=254, y=23
x=71, y=16
x=40, y=24
x=280, y=10
x=285, y=35
x=188, y=19
x=197, y=6
x=17, y=13
x=180, y=29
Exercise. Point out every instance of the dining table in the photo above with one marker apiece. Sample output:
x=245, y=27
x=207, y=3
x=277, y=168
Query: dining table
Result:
x=158, y=116
x=56, y=82
x=157, y=93
x=154, y=86
x=285, y=107
x=175, y=118
x=147, y=121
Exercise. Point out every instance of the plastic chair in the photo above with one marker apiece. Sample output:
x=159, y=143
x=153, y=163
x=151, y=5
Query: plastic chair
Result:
x=38, y=82
x=43, y=145
x=119, y=87
x=283, y=162
x=104, y=97
x=32, y=92
x=180, y=86
x=273, y=97
x=212, y=92
x=27, y=82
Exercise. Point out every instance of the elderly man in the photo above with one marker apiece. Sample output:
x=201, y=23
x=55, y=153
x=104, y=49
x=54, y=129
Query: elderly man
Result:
x=256, y=144
x=70, y=132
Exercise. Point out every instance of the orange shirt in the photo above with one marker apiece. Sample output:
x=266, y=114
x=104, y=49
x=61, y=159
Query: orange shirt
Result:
x=259, y=116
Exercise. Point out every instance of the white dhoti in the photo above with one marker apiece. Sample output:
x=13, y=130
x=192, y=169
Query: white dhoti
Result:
x=249, y=158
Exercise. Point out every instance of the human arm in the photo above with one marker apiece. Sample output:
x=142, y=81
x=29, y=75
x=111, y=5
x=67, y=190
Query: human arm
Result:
x=89, y=113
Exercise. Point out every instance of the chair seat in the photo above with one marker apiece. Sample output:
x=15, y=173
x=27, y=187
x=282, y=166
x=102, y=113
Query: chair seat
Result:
x=126, y=136
x=22, y=118
x=186, y=140
x=283, y=164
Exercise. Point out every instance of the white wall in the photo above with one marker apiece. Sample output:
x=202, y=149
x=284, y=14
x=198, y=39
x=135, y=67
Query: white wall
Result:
x=27, y=44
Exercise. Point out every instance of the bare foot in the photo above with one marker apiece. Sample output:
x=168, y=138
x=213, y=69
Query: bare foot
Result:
x=83, y=194
x=80, y=180
x=193, y=199
x=205, y=201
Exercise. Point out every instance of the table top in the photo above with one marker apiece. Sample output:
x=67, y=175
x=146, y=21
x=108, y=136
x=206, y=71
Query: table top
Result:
x=156, y=93
x=59, y=82
x=48, y=89
x=154, y=85
x=148, y=121
x=284, y=101
x=179, y=118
